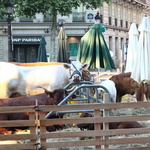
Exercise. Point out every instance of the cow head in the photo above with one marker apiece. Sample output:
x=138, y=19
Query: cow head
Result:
x=101, y=92
x=75, y=70
x=143, y=91
x=57, y=95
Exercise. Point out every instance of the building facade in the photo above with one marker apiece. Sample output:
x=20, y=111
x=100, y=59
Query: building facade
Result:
x=116, y=17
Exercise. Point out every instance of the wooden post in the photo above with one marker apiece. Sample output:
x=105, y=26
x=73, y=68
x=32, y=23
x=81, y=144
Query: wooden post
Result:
x=42, y=129
x=97, y=127
x=34, y=129
x=37, y=128
x=106, y=114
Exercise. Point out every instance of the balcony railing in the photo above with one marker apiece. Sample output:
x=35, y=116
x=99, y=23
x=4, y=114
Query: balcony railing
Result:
x=47, y=19
x=4, y=19
x=25, y=19
x=78, y=17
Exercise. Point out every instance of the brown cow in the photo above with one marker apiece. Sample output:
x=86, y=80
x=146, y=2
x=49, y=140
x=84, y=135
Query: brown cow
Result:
x=145, y=89
x=112, y=125
x=126, y=85
x=47, y=98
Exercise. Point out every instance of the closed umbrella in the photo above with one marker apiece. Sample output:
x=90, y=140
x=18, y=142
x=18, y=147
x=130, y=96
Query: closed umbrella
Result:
x=94, y=51
x=141, y=69
x=63, y=55
x=42, y=56
x=132, y=47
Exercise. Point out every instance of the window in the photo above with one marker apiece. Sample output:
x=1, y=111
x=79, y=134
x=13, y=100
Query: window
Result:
x=25, y=53
x=110, y=14
x=110, y=43
x=73, y=47
x=126, y=17
x=116, y=14
x=131, y=16
x=101, y=14
x=121, y=23
x=116, y=22
x=116, y=47
x=25, y=19
x=47, y=18
x=126, y=24
x=78, y=15
x=110, y=21
x=137, y=17
x=121, y=16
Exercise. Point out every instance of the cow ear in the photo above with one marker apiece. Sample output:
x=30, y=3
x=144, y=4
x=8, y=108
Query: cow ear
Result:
x=85, y=66
x=67, y=66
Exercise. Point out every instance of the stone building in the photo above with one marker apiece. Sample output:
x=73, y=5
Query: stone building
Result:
x=116, y=17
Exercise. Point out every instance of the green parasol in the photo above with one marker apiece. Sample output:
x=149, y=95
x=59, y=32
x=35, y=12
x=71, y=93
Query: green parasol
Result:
x=63, y=55
x=42, y=56
x=94, y=51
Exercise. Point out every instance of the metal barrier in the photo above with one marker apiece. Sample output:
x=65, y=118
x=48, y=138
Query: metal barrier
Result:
x=83, y=89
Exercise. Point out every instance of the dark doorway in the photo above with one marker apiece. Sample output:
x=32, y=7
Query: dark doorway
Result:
x=25, y=53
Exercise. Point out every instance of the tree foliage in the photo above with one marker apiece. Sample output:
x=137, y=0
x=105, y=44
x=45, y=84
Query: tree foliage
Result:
x=30, y=8
x=63, y=7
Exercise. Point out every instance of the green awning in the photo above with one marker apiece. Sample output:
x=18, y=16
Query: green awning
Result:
x=94, y=51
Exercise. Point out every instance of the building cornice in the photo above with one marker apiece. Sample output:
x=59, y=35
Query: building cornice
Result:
x=67, y=26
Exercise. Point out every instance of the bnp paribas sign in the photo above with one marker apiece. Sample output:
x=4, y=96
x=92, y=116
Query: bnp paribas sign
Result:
x=26, y=40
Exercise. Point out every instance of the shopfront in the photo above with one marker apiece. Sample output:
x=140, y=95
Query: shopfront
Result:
x=25, y=49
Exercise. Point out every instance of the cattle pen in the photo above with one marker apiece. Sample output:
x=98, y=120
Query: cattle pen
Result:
x=39, y=139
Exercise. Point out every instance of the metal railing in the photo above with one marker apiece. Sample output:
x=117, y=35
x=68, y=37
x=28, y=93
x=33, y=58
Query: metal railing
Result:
x=25, y=19
x=47, y=19
x=78, y=16
x=83, y=94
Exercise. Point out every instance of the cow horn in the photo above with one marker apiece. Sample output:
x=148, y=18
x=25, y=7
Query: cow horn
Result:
x=44, y=88
x=71, y=89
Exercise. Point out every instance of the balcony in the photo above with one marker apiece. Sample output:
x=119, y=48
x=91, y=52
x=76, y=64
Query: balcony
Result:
x=4, y=19
x=78, y=17
x=25, y=19
x=47, y=19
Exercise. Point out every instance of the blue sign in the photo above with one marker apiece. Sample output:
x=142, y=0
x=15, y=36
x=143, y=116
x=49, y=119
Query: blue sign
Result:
x=90, y=16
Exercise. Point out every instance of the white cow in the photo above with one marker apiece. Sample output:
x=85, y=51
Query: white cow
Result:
x=24, y=80
x=110, y=86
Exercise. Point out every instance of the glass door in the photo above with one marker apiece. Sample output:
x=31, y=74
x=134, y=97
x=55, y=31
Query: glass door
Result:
x=25, y=53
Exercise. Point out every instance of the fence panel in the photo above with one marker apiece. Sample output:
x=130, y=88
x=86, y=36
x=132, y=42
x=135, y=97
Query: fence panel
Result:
x=27, y=140
x=101, y=138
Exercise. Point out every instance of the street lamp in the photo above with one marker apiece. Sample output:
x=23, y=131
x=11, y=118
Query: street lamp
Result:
x=9, y=7
x=98, y=17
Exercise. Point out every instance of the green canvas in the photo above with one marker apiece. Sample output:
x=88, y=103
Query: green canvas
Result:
x=63, y=55
x=94, y=51
x=42, y=55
